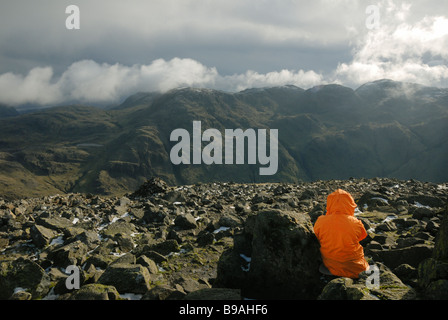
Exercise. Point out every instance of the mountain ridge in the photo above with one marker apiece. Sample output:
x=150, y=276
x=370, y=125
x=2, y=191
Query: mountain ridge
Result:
x=383, y=128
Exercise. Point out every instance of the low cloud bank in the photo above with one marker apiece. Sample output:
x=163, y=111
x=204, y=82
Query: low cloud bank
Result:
x=399, y=50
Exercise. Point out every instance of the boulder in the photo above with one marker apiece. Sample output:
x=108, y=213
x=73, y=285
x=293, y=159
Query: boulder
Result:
x=412, y=255
x=41, y=235
x=165, y=247
x=276, y=257
x=56, y=223
x=185, y=222
x=127, y=278
x=441, y=241
x=148, y=263
x=150, y=187
x=425, y=200
x=163, y=292
x=23, y=273
x=70, y=254
x=122, y=227
x=95, y=291
x=433, y=272
x=389, y=287
x=373, y=199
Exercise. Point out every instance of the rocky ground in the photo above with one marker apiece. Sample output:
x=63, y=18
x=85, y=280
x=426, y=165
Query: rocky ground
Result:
x=221, y=241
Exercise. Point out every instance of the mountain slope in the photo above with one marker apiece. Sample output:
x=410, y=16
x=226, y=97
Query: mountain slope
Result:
x=384, y=128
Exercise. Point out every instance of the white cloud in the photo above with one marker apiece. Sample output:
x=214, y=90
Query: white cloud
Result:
x=400, y=50
x=36, y=87
x=287, y=40
x=90, y=82
x=252, y=79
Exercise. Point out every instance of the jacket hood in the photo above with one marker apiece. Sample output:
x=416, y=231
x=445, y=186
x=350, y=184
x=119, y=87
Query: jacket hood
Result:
x=340, y=202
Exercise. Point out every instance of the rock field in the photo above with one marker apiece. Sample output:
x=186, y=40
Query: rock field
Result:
x=222, y=241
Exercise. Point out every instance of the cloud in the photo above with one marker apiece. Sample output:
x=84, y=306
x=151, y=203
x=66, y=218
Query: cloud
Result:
x=90, y=82
x=252, y=79
x=400, y=50
x=139, y=45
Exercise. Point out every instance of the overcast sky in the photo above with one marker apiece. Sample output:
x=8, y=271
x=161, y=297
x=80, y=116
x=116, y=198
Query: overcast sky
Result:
x=123, y=47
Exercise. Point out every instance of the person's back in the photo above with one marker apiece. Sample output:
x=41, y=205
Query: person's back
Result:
x=339, y=233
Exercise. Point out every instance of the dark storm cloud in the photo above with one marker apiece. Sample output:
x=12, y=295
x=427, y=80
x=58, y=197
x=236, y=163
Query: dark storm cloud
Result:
x=128, y=46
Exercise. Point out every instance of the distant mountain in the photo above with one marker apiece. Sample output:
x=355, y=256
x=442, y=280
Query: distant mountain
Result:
x=382, y=129
x=6, y=111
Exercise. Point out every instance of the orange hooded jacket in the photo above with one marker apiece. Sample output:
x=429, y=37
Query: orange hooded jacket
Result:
x=339, y=233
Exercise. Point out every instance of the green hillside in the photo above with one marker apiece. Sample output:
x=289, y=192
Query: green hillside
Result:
x=384, y=128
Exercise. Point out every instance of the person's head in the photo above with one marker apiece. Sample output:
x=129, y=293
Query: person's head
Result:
x=340, y=202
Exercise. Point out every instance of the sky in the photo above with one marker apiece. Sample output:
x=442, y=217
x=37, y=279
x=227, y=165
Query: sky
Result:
x=124, y=47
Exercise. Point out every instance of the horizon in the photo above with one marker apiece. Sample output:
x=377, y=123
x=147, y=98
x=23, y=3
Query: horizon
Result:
x=117, y=49
x=29, y=107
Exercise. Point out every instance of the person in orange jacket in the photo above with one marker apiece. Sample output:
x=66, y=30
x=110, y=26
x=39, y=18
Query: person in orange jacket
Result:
x=339, y=233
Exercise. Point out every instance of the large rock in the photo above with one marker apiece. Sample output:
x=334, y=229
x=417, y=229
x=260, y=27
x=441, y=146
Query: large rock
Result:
x=185, y=222
x=389, y=287
x=276, y=257
x=25, y=274
x=55, y=223
x=441, y=242
x=152, y=186
x=412, y=255
x=95, y=291
x=41, y=235
x=433, y=272
x=70, y=254
x=127, y=278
